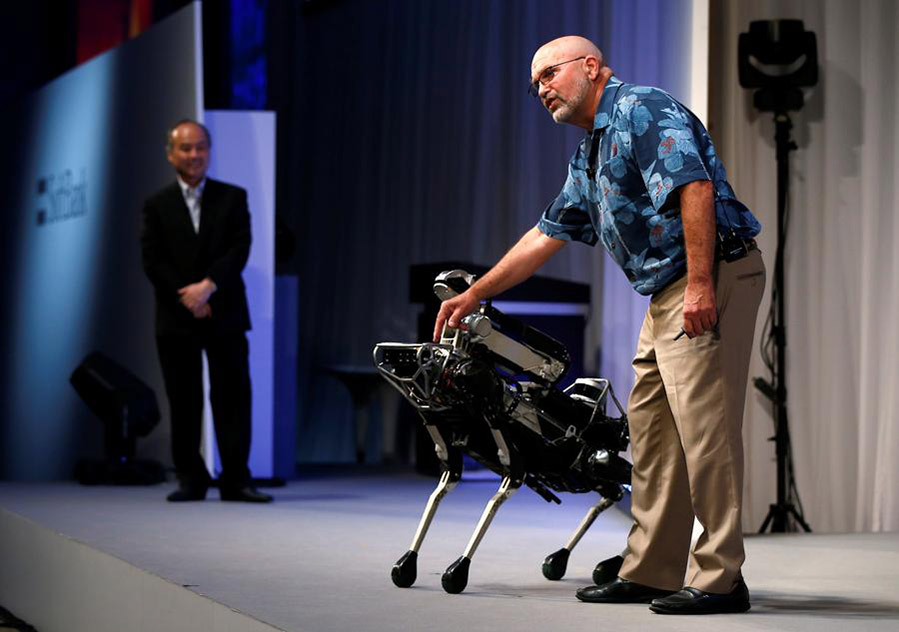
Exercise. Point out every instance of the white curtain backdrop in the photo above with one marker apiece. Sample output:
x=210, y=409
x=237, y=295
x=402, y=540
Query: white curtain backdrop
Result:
x=842, y=268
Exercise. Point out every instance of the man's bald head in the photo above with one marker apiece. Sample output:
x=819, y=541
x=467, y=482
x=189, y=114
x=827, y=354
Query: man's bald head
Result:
x=562, y=48
x=569, y=75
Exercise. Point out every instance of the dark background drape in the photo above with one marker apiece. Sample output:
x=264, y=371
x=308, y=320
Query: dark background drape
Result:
x=406, y=136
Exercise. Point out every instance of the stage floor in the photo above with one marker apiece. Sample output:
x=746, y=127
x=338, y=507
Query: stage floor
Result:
x=319, y=558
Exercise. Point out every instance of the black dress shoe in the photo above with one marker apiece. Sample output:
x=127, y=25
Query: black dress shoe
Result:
x=244, y=494
x=607, y=570
x=186, y=493
x=620, y=591
x=695, y=601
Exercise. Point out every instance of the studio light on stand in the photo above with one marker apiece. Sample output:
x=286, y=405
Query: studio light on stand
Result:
x=777, y=58
x=128, y=409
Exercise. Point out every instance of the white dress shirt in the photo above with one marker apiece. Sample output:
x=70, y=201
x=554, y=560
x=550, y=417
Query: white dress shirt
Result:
x=192, y=197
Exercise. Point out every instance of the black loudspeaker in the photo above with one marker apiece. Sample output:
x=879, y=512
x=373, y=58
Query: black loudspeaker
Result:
x=128, y=409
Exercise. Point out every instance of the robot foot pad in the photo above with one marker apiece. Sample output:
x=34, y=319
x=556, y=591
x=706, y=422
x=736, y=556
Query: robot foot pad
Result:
x=455, y=578
x=404, y=571
x=607, y=570
x=555, y=564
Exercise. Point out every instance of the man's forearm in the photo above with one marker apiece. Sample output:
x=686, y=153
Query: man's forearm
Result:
x=531, y=252
x=698, y=217
x=519, y=263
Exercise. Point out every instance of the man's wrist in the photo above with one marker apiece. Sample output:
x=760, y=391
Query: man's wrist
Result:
x=210, y=285
x=699, y=279
x=476, y=292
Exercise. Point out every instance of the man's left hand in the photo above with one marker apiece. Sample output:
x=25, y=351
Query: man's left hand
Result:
x=700, y=313
x=203, y=311
x=196, y=295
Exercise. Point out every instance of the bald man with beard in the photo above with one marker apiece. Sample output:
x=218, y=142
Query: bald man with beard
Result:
x=647, y=183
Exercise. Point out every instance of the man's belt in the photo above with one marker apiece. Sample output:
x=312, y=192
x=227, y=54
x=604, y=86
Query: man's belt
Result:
x=746, y=246
x=734, y=248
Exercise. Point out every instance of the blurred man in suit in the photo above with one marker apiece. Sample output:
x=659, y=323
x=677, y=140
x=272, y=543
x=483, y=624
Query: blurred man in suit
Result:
x=195, y=243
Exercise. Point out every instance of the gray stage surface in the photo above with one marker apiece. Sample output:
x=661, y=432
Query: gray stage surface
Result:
x=318, y=559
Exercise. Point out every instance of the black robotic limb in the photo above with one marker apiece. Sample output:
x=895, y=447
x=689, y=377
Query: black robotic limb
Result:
x=455, y=578
x=491, y=389
x=555, y=564
x=405, y=570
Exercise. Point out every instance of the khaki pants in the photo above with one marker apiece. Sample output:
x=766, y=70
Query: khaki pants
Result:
x=685, y=416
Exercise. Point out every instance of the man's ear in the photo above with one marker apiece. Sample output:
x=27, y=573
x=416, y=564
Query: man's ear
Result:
x=593, y=68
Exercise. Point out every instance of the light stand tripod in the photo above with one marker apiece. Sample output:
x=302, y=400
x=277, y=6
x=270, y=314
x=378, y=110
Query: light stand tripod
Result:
x=779, y=513
x=791, y=53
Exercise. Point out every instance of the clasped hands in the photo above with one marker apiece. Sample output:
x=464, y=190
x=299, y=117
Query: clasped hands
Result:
x=195, y=297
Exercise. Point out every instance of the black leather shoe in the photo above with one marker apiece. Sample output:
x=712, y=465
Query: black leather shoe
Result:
x=245, y=494
x=620, y=591
x=695, y=601
x=607, y=570
x=186, y=493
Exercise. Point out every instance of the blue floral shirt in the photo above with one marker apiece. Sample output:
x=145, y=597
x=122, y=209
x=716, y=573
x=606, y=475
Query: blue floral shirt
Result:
x=648, y=146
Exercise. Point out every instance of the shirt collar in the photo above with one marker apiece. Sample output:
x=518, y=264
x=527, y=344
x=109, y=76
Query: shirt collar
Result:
x=606, y=102
x=198, y=190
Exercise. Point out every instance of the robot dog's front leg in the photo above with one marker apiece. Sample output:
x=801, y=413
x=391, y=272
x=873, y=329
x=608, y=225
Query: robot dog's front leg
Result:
x=555, y=564
x=405, y=570
x=455, y=578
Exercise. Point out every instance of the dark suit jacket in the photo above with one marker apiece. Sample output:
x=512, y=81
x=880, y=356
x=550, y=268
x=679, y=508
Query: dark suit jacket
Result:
x=175, y=256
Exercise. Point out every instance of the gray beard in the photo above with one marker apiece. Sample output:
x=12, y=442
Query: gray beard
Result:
x=566, y=110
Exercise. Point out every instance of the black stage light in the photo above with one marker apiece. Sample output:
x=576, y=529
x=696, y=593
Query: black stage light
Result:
x=778, y=57
x=128, y=409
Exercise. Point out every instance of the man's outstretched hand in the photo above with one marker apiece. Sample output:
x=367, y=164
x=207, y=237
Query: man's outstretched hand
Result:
x=522, y=260
x=453, y=310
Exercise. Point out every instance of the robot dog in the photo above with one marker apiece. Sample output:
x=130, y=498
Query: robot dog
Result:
x=489, y=389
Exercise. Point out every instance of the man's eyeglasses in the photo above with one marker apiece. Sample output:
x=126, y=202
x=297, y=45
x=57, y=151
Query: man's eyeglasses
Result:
x=549, y=73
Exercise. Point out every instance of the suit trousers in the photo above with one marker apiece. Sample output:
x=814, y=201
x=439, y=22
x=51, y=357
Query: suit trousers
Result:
x=685, y=415
x=227, y=355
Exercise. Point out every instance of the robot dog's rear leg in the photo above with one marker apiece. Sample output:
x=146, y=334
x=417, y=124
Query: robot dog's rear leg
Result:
x=455, y=578
x=555, y=564
x=405, y=570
